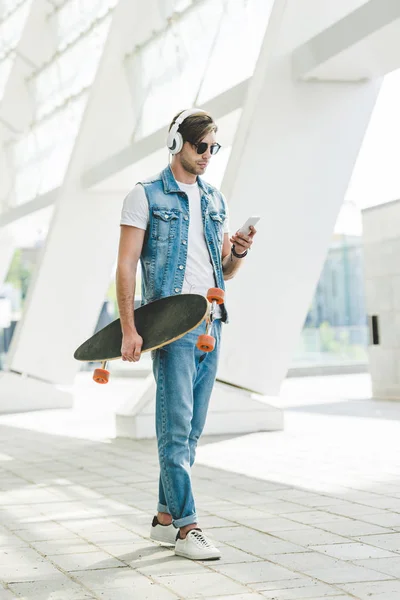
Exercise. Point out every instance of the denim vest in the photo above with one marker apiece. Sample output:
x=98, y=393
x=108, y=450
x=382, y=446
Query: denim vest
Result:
x=164, y=253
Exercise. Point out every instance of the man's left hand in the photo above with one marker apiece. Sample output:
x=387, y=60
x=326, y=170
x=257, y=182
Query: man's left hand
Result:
x=243, y=242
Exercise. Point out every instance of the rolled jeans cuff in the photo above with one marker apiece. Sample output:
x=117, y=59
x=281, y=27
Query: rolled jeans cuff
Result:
x=162, y=508
x=185, y=521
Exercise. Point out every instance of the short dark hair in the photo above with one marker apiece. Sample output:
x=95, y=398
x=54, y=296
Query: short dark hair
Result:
x=195, y=127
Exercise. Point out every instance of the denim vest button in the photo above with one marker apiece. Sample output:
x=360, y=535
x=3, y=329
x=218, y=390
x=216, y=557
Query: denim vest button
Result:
x=184, y=242
x=177, y=290
x=181, y=267
x=186, y=218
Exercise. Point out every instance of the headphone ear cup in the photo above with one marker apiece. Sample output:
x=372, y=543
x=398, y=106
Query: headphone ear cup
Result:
x=177, y=143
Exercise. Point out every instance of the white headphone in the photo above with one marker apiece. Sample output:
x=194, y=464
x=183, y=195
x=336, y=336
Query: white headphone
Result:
x=175, y=139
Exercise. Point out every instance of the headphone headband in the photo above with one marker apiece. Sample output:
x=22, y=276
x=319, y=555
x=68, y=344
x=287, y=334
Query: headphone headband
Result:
x=175, y=140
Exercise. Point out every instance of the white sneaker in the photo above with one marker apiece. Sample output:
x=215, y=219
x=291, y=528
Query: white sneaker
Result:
x=165, y=534
x=196, y=546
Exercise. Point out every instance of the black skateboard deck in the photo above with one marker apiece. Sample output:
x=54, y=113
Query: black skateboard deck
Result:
x=158, y=323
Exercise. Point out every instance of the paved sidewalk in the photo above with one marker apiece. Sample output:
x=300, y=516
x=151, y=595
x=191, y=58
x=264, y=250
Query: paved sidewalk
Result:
x=311, y=512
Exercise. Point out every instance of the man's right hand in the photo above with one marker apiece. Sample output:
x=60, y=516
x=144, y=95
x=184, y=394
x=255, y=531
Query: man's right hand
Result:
x=131, y=347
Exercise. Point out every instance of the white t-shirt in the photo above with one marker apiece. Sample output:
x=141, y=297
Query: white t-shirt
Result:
x=199, y=274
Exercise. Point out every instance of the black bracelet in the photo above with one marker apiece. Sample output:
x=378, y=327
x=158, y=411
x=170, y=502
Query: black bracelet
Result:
x=238, y=255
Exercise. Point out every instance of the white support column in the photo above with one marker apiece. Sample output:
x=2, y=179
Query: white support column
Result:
x=291, y=163
x=16, y=102
x=381, y=241
x=66, y=296
x=363, y=45
x=34, y=47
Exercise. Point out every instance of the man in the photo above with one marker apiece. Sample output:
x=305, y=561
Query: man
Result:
x=177, y=226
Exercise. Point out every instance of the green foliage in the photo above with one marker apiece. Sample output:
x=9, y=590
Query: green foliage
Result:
x=339, y=343
x=19, y=274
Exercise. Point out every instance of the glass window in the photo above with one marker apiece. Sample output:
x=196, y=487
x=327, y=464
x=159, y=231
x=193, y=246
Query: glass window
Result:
x=41, y=158
x=202, y=53
x=12, y=20
x=238, y=46
x=172, y=66
x=60, y=89
x=62, y=79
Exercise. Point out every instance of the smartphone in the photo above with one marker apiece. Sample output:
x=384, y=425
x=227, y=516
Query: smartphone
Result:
x=245, y=228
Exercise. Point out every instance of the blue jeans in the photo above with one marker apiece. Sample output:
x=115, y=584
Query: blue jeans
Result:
x=185, y=378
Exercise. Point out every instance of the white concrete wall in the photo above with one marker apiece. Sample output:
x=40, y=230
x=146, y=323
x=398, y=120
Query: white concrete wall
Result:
x=291, y=163
x=69, y=287
x=381, y=239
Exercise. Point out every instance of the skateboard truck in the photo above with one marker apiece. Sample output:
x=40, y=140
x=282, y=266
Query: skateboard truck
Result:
x=102, y=375
x=206, y=342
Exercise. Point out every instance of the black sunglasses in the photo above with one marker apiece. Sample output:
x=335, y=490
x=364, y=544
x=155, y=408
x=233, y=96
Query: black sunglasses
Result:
x=202, y=147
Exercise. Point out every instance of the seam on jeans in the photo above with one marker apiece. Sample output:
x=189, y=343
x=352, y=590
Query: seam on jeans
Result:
x=170, y=502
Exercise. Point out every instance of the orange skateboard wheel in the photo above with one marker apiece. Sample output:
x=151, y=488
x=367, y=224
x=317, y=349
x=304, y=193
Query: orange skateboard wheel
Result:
x=206, y=343
x=101, y=376
x=216, y=294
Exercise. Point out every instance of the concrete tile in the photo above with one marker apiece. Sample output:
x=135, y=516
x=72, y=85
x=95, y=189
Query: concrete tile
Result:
x=91, y=525
x=53, y=588
x=255, y=572
x=351, y=528
x=227, y=534
x=210, y=522
x=271, y=525
x=200, y=585
x=111, y=579
x=284, y=584
x=239, y=514
x=168, y=565
x=6, y=594
x=380, y=590
x=146, y=590
x=84, y=561
x=353, y=551
x=232, y=555
x=19, y=556
x=37, y=571
x=282, y=508
x=346, y=573
x=388, y=541
x=263, y=545
x=41, y=532
x=311, y=537
x=68, y=546
x=9, y=540
x=306, y=562
x=316, y=592
x=388, y=566
x=120, y=550
x=354, y=511
x=143, y=554
x=313, y=517
x=249, y=596
x=375, y=501
x=388, y=519
x=117, y=536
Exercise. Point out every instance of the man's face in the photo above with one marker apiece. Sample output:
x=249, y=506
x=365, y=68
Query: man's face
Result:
x=194, y=163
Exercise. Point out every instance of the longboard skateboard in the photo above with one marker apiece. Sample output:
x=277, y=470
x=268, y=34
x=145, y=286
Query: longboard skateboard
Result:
x=158, y=323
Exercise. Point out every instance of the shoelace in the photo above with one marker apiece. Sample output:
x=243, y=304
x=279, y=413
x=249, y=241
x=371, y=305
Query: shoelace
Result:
x=200, y=539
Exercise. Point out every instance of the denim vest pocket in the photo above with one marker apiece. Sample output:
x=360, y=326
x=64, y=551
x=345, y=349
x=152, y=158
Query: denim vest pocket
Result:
x=218, y=220
x=164, y=223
